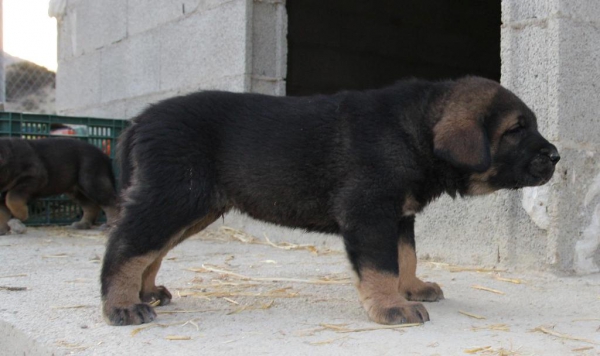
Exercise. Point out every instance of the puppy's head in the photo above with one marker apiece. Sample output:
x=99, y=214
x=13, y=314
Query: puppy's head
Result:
x=489, y=133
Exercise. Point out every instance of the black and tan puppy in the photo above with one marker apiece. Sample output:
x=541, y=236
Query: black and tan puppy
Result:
x=32, y=169
x=357, y=164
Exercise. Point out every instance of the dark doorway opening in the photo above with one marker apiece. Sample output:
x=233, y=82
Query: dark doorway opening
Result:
x=359, y=44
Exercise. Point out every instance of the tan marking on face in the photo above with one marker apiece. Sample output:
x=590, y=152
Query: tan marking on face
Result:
x=478, y=182
x=17, y=206
x=459, y=131
x=125, y=285
x=508, y=122
x=411, y=206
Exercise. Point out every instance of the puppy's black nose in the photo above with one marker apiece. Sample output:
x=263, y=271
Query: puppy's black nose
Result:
x=552, y=153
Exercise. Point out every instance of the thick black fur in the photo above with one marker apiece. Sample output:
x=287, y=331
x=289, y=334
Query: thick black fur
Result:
x=31, y=169
x=341, y=164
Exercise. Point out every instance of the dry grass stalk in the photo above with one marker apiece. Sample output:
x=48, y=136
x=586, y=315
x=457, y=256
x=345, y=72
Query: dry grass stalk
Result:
x=14, y=275
x=275, y=293
x=154, y=303
x=474, y=269
x=148, y=326
x=586, y=319
x=243, y=237
x=494, y=327
x=187, y=311
x=70, y=345
x=58, y=255
x=579, y=349
x=545, y=330
x=341, y=328
x=231, y=301
x=73, y=307
x=246, y=307
x=476, y=286
x=325, y=342
x=477, y=349
x=177, y=337
x=510, y=280
x=323, y=280
x=471, y=315
x=13, y=289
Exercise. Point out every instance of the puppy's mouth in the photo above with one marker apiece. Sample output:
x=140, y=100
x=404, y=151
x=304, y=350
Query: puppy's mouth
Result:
x=539, y=172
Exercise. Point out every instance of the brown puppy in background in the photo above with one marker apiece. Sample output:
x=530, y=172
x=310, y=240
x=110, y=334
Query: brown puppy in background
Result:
x=356, y=164
x=31, y=169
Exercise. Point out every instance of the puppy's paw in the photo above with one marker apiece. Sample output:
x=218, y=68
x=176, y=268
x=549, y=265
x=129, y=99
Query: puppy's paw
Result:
x=16, y=226
x=422, y=291
x=160, y=295
x=81, y=225
x=133, y=315
x=400, y=313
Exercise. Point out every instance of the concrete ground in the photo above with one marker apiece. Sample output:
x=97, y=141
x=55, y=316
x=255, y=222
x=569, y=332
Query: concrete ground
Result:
x=238, y=295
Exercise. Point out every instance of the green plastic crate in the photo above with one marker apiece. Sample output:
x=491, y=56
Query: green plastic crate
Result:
x=102, y=133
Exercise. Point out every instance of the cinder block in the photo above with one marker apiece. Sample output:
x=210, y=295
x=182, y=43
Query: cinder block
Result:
x=204, y=46
x=519, y=10
x=530, y=68
x=581, y=10
x=488, y=230
x=143, y=15
x=575, y=196
x=131, y=68
x=97, y=24
x=578, y=86
x=78, y=82
x=269, y=44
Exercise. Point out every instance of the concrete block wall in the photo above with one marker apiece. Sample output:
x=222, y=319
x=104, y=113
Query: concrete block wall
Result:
x=116, y=57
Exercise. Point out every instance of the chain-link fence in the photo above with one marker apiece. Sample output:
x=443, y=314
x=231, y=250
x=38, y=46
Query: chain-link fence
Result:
x=28, y=87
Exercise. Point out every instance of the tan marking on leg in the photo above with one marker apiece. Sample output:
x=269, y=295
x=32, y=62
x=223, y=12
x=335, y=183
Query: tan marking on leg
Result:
x=149, y=288
x=125, y=285
x=149, y=276
x=411, y=287
x=90, y=214
x=17, y=206
x=112, y=213
x=5, y=216
x=378, y=293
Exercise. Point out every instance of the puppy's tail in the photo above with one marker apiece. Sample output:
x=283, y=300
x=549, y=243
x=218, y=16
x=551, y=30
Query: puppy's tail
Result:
x=124, y=147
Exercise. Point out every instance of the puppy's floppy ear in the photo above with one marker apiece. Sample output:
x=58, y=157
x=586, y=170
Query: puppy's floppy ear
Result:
x=462, y=142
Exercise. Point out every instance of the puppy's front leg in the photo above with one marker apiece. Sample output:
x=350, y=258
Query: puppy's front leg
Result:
x=372, y=249
x=411, y=287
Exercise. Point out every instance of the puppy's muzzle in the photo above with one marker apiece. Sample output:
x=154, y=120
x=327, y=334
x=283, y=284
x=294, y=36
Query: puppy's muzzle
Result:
x=542, y=165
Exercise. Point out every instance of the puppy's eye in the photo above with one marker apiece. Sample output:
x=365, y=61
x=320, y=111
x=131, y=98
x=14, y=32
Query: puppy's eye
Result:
x=515, y=129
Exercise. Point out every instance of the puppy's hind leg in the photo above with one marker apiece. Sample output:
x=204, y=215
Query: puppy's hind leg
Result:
x=5, y=216
x=151, y=222
x=90, y=211
x=160, y=295
x=100, y=189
